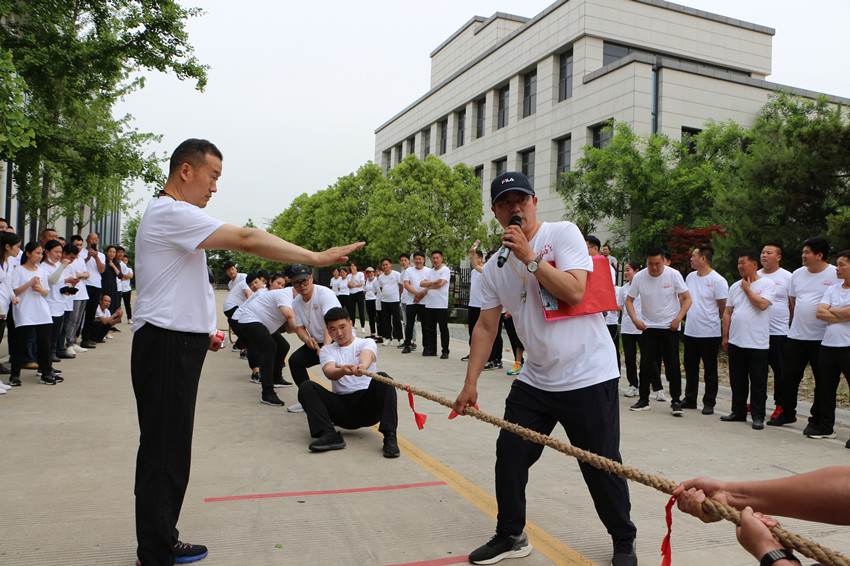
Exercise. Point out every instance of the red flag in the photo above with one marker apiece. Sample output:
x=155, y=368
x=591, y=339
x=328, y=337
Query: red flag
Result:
x=666, y=549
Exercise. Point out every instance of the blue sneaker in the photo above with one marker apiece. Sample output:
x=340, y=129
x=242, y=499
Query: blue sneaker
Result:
x=185, y=552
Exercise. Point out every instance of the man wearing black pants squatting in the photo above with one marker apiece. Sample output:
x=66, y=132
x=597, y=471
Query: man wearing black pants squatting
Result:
x=547, y=258
x=174, y=326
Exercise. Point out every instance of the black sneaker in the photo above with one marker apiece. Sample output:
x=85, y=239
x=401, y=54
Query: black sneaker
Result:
x=782, y=419
x=328, y=441
x=390, y=445
x=489, y=365
x=412, y=346
x=465, y=358
x=428, y=353
x=641, y=405
x=88, y=345
x=500, y=547
x=624, y=552
x=58, y=378
x=281, y=382
x=821, y=434
x=847, y=445
x=255, y=377
x=444, y=356
x=707, y=410
x=271, y=399
x=676, y=409
x=733, y=418
x=401, y=345
x=47, y=380
x=14, y=381
x=185, y=553
x=406, y=350
x=379, y=340
x=686, y=404
x=243, y=355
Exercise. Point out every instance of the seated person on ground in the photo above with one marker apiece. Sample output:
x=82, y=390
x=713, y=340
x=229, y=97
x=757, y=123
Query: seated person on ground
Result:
x=355, y=401
x=104, y=320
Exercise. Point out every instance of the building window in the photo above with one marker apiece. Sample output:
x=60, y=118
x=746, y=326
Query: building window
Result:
x=411, y=146
x=444, y=136
x=461, y=127
x=688, y=135
x=479, y=174
x=503, y=107
x=528, y=165
x=398, y=153
x=602, y=135
x=563, y=159
x=426, y=142
x=529, y=99
x=479, y=123
x=500, y=166
x=565, y=78
x=612, y=52
x=388, y=160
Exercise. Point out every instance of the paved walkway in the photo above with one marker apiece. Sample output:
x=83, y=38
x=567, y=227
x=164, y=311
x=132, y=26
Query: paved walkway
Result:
x=258, y=496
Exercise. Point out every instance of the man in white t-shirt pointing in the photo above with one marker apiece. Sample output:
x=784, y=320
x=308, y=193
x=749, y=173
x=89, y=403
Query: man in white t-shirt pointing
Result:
x=570, y=375
x=174, y=326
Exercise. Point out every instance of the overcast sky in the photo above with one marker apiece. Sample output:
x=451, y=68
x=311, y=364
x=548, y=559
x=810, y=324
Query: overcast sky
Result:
x=296, y=89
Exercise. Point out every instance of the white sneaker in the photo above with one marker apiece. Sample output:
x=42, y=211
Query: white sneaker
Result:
x=660, y=396
x=4, y=386
x=388, y=342
x=2, y=391
x=79, y=349
x=109, y=337
x=632, y=391
x=296, y=408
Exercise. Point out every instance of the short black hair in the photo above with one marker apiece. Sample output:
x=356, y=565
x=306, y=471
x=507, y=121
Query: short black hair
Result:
x=818, y=246
x=750, y=254
x=250, y=278
x=844, y=254
x=437, y=252
x=70, y=249
x=593, y=241
x=775, y=245
x=228, y=265
x=46, y=230
x=264, y=274
x=404, y=254
x=479, y=253
x=337, y=313
x=119, y=249
x=76, y=238
x=705, y=251
x=635, y=265
x=192, y=151
x=387, y=259
x=654, y=251
x=420, y=254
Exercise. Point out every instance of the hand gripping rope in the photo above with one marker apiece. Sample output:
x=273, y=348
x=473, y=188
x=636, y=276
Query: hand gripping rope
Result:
x=787, y=539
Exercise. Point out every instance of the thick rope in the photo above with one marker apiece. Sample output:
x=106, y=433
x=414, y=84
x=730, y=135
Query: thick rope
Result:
x=711, y=506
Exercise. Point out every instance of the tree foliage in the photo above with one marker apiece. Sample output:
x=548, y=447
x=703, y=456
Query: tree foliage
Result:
x=15, y=130
x=77, y=59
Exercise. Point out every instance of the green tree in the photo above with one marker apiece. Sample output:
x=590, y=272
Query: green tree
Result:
x=15, y=130
x=77, y=59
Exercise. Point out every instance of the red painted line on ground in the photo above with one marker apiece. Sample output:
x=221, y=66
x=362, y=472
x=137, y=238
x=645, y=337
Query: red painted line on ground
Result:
x=438, y=562
x=328, y=492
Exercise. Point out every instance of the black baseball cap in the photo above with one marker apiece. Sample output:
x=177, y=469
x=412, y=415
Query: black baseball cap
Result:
x=509, y=181
x=300, y=272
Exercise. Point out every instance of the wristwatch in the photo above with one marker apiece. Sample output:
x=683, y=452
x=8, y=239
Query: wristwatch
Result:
x=534, y=264
x=778, y=554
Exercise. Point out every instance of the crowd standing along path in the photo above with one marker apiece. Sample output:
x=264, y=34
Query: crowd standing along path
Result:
x=258, y=496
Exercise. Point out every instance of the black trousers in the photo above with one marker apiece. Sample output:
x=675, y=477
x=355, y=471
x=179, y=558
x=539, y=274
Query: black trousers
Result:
x=414, y=311
x=357, y=302
x=91, y=309
x=660, y=344
x=590, y=416
x=128, y=308
x=361, y=408
x=432, y=318
x=43, y=334
x=776, y=361
x=57, y=335
x=748, y=371
x=614, y=331
x=513, y=337
x=99, y=331
x=166, y=367
x=496, y=350
x=705, y=350
x=391, y=317
x=630, y=349
x=799, y=354
x=301, y=359
x=270, y=349
x=833, y=362
x=234, y=326
x=371, y=313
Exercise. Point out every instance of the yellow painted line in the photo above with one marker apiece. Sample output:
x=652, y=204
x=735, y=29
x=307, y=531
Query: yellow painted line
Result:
x=546, y=544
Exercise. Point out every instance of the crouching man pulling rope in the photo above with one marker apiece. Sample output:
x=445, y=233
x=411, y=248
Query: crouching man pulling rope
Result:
x=570, y=375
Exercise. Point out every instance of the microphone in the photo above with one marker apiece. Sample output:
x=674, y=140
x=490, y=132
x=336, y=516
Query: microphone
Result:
x=504, y=252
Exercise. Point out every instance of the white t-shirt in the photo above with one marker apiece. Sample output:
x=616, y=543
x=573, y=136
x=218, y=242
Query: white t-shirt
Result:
x=659, y=296
x=406, y=296
x=334, y=285
x=32, y=309
x=415, y=276
x=613, y=261
x=236, y=297
x=561, y=355
x=358, y=279
x=438, y=298
x=780, y=311
x=5, y=290
x=233, y=282
x=79, y=267
x=704, y=317
x=749, y=326
x=389, y=287
x=342, y=285
x=124, y=284
x=100, y=313
x=95, y=276
x=349, y=356
x=474, y=288
x=808, y=288
x=237, y=314
x=266, y=309
x=627, y=326
x=56, y=301
x=173, y=283
x=311, y=314
x=370, y=288
x=837, y=334
x=611, y=317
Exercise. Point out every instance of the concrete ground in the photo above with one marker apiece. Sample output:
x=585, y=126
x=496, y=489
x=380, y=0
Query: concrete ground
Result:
x=258, y=496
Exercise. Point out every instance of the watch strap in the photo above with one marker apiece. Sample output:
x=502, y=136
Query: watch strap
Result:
x=776, y=555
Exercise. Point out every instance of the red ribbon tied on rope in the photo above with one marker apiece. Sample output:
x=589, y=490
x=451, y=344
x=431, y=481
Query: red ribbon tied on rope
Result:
x=453, y=415
x=420, y=418
x=666, y=548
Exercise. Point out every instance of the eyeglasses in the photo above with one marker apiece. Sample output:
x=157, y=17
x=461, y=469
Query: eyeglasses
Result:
x=300, y=282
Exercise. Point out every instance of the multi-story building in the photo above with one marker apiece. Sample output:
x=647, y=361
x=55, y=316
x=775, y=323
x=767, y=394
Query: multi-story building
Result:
x=526, y=94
